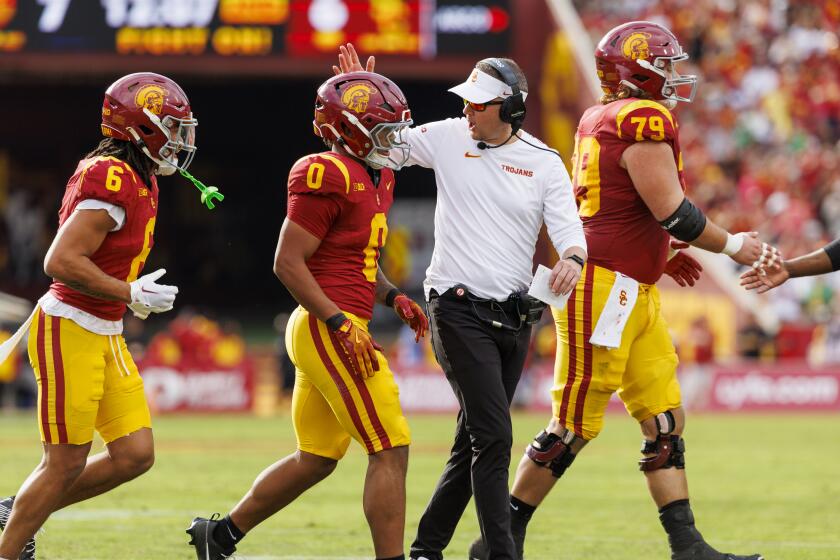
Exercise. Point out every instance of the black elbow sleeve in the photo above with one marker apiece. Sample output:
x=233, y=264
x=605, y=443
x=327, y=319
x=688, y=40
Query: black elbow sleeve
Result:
x=686, y=223
x=833, y=252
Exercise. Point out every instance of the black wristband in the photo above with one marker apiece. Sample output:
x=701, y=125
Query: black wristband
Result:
x=391, y=296
x=576, y=259
x=833, y=252
x=334, y=323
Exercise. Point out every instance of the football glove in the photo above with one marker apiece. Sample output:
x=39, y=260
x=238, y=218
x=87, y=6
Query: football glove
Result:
x=360, y=348
x=147, y=296
x=683, y=268
x=412, y=315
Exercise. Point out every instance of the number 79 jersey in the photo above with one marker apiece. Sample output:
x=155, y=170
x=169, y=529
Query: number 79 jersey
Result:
x=123, y=252
x=621, y=233
x=332, y=197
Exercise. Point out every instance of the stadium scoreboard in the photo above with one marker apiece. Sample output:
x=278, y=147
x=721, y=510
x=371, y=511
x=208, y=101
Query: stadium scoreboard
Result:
x=255, y=28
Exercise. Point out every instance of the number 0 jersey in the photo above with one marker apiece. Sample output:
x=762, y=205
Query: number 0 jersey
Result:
x=332, y=197
x=123, y=252
x=621, y=233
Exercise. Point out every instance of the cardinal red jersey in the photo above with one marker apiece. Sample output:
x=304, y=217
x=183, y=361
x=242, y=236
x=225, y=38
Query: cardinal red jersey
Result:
x=332, y=197
x=123, y=252
x=621, y=233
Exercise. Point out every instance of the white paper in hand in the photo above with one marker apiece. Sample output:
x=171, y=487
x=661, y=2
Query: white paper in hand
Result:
x=541, y=289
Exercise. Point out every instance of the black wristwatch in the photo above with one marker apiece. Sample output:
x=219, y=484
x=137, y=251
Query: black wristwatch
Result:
x=576, y=259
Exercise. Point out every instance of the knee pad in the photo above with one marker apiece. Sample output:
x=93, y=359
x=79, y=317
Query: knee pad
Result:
x=665, y=422
x=552, y=451
x=667, y=451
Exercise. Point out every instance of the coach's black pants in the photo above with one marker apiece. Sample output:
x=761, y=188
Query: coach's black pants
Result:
x=483, y=364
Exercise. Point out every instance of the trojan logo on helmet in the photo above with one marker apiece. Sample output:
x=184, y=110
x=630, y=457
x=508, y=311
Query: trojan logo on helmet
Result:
x=641, y=56
x=636, y=47
x=357, y=97
x=151, y=97
x=367, y=114
x=152, y=112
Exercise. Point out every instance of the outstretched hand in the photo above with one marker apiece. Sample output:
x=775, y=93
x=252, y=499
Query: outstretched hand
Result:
x=348, y=61
x=764, y=278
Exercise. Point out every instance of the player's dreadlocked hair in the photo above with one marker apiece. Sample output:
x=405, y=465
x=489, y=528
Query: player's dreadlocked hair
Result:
x=623, y=93
x=127, y=152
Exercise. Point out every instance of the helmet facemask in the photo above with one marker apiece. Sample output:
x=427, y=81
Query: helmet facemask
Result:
x=180, y=135
x=673, y=81
x=390, y=145
x=389, y=142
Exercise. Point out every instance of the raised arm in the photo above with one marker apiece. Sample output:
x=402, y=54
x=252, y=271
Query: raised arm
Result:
x=348, y=61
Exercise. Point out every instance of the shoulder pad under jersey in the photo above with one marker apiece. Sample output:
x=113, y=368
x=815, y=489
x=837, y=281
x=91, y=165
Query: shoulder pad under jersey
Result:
x=638, y=120
x=325, y=174
x=110, y=180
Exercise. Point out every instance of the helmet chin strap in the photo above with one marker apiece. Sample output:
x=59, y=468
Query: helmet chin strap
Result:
x=163, y=167
x=669, y=104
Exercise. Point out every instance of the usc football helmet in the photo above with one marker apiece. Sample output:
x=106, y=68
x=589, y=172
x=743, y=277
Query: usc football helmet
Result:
x=642, y=55
x=368, y=114
x=153, y=113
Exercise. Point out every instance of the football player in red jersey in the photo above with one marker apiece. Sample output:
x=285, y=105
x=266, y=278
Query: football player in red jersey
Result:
x=628, y=179
x=87, y=379
x=327, y=256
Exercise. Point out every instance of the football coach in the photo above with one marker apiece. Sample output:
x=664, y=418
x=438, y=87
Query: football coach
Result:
x=496, y=184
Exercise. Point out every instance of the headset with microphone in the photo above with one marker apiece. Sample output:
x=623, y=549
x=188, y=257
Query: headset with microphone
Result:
x=512, y=110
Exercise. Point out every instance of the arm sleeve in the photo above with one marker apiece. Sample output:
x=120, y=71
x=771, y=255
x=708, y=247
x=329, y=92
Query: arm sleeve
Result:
x=560, y=212
x=425, y=140
x=117, y=213
x=315, y=214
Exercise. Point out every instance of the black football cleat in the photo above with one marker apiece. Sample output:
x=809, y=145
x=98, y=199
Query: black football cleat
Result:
x=206, y=547
x=478, y=551
x=6, y=504
x=703, y=551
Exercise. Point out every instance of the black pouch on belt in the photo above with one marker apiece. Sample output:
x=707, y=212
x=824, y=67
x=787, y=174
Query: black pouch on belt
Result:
x=530, y=308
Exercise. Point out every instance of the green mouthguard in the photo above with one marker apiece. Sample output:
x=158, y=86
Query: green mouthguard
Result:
x=208, y=194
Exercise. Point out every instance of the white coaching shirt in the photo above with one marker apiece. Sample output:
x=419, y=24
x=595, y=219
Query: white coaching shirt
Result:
x=490, y=206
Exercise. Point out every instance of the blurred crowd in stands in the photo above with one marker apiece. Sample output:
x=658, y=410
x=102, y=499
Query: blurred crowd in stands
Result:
x=761, y=147
x=761, y=141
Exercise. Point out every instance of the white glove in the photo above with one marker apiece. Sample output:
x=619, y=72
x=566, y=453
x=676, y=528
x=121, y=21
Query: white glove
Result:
x=147, y=296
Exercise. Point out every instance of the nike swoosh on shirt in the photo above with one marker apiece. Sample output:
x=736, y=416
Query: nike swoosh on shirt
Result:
x=467, y=154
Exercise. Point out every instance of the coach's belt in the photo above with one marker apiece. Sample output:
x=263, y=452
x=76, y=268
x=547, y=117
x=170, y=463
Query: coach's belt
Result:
x=461, y=293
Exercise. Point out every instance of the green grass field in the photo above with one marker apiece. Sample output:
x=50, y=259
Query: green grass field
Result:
x=764, y=484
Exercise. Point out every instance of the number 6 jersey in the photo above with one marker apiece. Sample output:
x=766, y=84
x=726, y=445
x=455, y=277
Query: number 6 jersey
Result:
x=332, y=197
x=621, y=233
x=123, y=252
